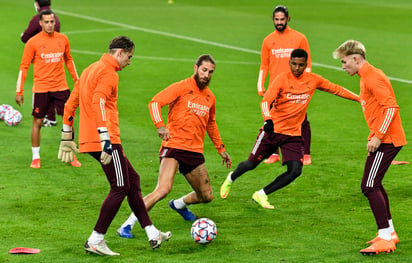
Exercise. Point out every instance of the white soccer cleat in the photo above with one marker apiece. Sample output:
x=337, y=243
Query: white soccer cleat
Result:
x=100, y=248
x=162, y=237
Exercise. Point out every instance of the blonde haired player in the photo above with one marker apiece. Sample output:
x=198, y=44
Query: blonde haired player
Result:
x=385, y=139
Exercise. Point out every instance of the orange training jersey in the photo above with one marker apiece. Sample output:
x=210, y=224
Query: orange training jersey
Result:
x=96, y=94
x=287, y=99
x=379, y=106
x=275, y=54
x=48, y=53
x=191, y=114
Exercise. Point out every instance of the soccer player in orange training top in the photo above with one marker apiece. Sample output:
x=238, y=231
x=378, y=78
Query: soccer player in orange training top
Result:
x=49, y=51
x=191, y=114
x=283, y=108
x=385, y=139
x=32, y=29
x=99, y=135
x=275, y=54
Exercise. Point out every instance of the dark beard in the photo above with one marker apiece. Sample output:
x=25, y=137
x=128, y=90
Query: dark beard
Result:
x=281, y=29
x=200, y=84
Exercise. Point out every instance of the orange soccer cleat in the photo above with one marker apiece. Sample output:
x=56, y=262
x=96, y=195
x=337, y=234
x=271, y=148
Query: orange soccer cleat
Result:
x=380, y=245
x=273, y=158
x=306, y=159
x=394, y=237
x=35, y=164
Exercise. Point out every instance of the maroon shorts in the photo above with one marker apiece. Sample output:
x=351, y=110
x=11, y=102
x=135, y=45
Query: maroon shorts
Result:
x=188, y=161
x=119, y=173
x=42, y=102
x=377, y=164
x=266, y=144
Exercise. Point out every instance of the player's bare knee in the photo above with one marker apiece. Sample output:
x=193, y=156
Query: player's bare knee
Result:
x=206, y=198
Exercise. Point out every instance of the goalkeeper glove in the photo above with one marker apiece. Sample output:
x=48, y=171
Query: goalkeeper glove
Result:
x=268, y=126
x=67, y=146
x=107, y=150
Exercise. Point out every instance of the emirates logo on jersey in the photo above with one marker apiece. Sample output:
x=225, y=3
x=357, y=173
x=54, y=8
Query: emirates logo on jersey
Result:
x=51, y=57
x=297, y=98
x=282, y=52
x=197, y=108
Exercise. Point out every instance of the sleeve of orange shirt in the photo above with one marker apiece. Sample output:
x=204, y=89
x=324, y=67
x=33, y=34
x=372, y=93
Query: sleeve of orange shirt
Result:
x=213, y=132
x=28, y=56
x=102, y=91
x=270, y=97
x=335, y=89
x=68, y=60
x=164, y=97
x=383, y=94
x=264, y=68
x=71, y=105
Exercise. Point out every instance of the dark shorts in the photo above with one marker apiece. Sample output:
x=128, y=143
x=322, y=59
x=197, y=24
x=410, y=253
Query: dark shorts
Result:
x=119, y=172
x=266, y=145
x=188, y=161
x=43, y=101
x=377, y=164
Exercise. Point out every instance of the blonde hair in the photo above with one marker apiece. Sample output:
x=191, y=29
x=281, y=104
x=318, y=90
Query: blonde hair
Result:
x=350, y=47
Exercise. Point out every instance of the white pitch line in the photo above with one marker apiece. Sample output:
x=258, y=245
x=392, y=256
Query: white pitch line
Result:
x=164, y=58
x=77, y=32
x=198, y=40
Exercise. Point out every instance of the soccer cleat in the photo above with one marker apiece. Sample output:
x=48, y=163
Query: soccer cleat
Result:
x=394, y=238
x=262, y=200
x=225, y=188
x=35, y=164
x=184, y=212
x=162, y=237
x=125, y=232
x=273, y=158
x=100, y=248
x=76, y=162
x=306, y=159
x=380, y=245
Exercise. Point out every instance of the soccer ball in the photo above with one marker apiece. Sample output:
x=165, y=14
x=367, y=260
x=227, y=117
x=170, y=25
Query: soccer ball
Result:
x=203, y=231
x=4, y=108
x=12, y=117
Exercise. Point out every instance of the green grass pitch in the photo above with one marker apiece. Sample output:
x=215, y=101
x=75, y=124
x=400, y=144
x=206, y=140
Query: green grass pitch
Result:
x=321, y=217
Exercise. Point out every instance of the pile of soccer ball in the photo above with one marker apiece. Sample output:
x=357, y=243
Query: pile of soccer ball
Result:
x=203, y=231
x=11, y=117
